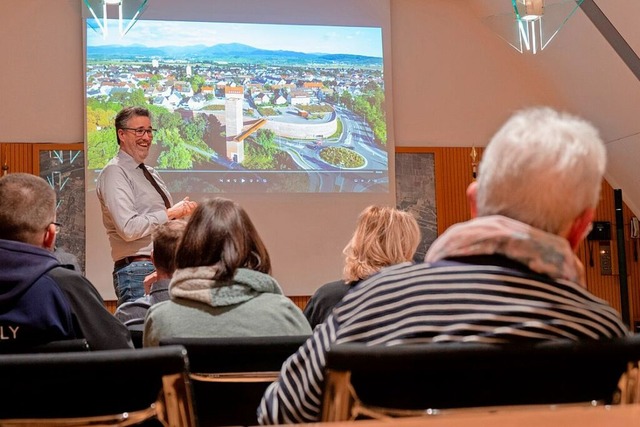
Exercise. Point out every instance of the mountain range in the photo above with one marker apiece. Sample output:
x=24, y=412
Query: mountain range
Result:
x=227, y=52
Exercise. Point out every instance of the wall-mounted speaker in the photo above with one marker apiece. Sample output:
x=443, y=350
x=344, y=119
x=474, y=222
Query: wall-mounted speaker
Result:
x=601, y=231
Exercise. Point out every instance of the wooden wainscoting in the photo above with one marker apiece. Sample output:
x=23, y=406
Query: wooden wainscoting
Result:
x=300, y=300
x=111, y=305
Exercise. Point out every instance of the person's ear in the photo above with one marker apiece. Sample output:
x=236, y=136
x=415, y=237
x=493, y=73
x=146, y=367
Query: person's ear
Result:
x=472, y=198
x=119, y=134
x=580, y=228
x=49, y=238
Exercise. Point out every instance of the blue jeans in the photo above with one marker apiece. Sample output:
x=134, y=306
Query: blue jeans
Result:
x=128, y=281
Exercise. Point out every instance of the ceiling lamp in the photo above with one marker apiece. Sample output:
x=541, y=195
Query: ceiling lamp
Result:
x=126, y=11
x=531, y=24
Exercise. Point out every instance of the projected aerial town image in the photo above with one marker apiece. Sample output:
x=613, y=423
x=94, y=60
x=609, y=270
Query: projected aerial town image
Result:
x=245, y=107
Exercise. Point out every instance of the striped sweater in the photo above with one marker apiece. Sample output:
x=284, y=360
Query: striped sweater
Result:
x=467, y=300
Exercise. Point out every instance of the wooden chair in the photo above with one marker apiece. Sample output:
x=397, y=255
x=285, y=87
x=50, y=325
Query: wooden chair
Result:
x=114, y=387
x=230, y=375
x=377, y=382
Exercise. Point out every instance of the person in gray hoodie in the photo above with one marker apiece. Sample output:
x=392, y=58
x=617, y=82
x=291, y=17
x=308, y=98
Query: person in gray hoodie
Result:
x=222, y=285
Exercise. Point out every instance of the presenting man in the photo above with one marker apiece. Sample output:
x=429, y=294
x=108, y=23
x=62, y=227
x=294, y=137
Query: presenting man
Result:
x=40, y=300
x=508, y=275
x=134, y=201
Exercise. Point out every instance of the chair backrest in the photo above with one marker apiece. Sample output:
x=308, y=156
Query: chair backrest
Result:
x=230, y=375
x=61, y=346
x=113, y=386
x=440, y=376
x=137, y=332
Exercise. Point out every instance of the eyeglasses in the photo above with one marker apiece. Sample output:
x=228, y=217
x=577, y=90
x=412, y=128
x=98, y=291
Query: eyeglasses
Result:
x=58, y=226
x=141, y=131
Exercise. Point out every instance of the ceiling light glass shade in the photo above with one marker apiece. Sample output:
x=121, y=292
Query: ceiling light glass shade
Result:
x=531, y=24
x=126, y=12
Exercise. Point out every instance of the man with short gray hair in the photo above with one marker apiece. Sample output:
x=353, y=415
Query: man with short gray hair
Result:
x=508, y=275
x=40, y=300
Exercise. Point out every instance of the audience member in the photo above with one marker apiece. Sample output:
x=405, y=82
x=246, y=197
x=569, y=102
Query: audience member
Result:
x=40, y=300
x=384, y=236
x=67, y=259
x=510, y=274
x=163, y=255
x=222, y=286
x=134, y=201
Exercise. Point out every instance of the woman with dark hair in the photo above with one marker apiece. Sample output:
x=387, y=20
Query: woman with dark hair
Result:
x=222, y=286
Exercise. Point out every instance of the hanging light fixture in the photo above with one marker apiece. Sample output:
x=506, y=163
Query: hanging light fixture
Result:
x=100, y=11
x=530, y=25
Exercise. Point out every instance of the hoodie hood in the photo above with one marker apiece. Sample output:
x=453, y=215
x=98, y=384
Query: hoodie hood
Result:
x=196, y=283
x=21, y=264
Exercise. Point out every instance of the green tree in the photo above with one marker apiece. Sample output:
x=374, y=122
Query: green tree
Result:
x=346, y=99
x=164, y=119
x=130, y=99
x=194, y=130
x=266, y=139
x=175, y=155
x=197, y=81
x=99, y=119
x=101, y=147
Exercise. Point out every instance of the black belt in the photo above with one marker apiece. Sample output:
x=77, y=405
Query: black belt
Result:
x=128, y=260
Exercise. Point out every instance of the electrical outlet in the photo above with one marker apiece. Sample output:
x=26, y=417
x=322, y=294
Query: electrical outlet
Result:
x=606, y=268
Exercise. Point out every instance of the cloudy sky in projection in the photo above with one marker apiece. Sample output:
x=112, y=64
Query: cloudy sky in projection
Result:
x=365, y=41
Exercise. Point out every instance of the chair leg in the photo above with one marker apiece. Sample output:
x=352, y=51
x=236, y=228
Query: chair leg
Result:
x=178, y=408
x=338, y=399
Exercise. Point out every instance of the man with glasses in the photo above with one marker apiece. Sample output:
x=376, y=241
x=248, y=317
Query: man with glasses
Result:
x=40, y=299
x=134, y=201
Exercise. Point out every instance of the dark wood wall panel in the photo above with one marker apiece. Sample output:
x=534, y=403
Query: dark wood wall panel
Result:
x=454, y=173
x=608, y=286
x=300, y=300
x=17, y=156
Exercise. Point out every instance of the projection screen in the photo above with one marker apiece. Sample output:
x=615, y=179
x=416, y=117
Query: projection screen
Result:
x=284, y=107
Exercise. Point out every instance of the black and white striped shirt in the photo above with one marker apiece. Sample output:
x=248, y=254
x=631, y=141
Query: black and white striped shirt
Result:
x=442, y=302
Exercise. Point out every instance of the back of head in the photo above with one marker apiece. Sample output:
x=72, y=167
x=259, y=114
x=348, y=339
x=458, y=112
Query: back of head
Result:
x=543, y=168
x=165, y=243
x=220, y=234
x=384, y=236
x=27, y=207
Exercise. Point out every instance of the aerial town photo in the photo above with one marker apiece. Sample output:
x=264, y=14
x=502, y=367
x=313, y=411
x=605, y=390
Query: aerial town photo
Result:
x=243, y=107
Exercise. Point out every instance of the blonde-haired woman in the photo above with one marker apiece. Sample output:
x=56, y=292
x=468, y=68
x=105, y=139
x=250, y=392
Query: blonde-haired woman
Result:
x=384, y=236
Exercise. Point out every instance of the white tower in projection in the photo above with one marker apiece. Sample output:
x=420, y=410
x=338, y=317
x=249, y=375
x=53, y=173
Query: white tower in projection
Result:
x=233, y=114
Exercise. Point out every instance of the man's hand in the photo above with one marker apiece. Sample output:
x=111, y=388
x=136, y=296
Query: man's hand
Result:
x=181, y=209
x=149, y=280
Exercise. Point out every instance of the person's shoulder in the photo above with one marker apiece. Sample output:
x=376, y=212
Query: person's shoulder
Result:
x=133, y=312
x=337, y=284
x=67, y=278
x=110, y=170
x=267, y=301
x=160, y=308
x=331, y=289
x=119, y=164
x=67, y=272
